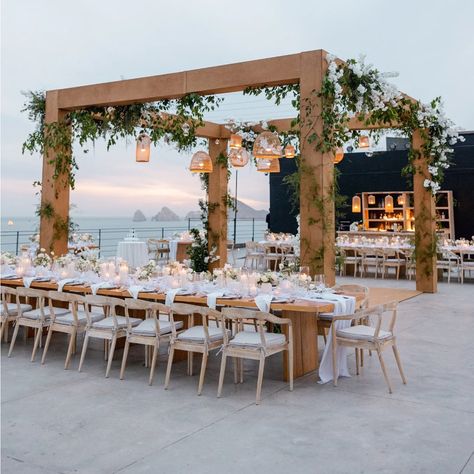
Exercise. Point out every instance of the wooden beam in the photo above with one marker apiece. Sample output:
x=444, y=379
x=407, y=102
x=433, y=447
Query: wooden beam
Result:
x=317, y=232
x=425, y=222
x=217, y=235
x=54, y=191
x=212, y=80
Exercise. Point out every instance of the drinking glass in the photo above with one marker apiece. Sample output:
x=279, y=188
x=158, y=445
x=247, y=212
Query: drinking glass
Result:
x=304, y=270
x=320, y=282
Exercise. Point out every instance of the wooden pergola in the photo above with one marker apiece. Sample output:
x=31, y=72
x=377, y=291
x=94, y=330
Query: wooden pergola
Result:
x=316, y=222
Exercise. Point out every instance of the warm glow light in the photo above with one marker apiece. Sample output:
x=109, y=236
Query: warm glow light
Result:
x=290, y=151
x=235, y=142
x=401, y=200
x=267, y=146
x=238, y=158
x=388, y=203
x=364, y=141
x=356, y=204
x=371, y=199
x=201, y=163
x=339, y=156
x=10, y=222
x=268, y=166
x=142, y=154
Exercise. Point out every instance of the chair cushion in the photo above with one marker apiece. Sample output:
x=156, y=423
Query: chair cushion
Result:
x=196, y=334
x=108, y=323
x=148, y=328
x=36, y=313
x=252, y=338
x=68, y=319
x=362, y=332
x=13, y=309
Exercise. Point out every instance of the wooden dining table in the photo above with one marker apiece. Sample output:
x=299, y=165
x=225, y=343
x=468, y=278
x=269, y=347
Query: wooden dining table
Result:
x=302, y=313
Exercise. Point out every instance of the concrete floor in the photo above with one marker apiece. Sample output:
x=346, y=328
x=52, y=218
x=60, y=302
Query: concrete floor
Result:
x=64, y=421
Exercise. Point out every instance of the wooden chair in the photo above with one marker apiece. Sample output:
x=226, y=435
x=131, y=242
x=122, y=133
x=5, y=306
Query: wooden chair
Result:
x=449, y=261
x=159, y=248
x=351, y=256
x=466, y=266
x=37, y=319
x=370, y=258
x=393, y=259
x=73, y=322
x=272, y=257
x=364, y=336
x=201, y=338
x=110, y=328
x=256, y=345
x=150, y=332
x=9, y=310
x=287, y=252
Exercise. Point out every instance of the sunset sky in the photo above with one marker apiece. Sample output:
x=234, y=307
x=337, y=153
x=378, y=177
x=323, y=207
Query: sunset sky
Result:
x=53, y=44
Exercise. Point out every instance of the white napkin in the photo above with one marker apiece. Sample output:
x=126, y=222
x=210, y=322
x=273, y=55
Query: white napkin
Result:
x=134, y=290
x=97, y=286
x=342, y=305
x=27, y=281
x=62, y=283
x=171, y=295
x=263, y=302
x=212, y=297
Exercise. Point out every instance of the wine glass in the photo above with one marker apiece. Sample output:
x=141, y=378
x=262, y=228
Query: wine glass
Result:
x=320, y=282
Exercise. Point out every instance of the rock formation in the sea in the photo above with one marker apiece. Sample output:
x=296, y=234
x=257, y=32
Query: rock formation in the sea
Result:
x=139, y=216
x=193, y=215
x=246, y=212
x=166, y=214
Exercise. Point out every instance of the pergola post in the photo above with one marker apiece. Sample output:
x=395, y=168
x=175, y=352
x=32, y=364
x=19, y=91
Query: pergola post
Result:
x=217, y=201
x=317, y=245
x=54, y=213
x=425, y=222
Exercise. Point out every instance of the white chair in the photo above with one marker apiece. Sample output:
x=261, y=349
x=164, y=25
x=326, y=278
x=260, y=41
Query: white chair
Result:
x=9, y=310
x=201, y=338
x=256, y=345
x=253, y=255
x=365, y=336
x=466, y=266
x=451, y=262
x=351, y=256
x=73, y=322
x=370, y=258
x=37, y=319
x=231, y=250
x=152, y=331
x=393, y=259
x=110, y=328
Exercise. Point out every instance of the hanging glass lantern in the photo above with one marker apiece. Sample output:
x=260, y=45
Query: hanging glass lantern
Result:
x=268, y=166
x=401, y=200
x=235, y=142
x=290, y=151
x=201, y=163
x=364, y=142
x=388, y=203
x=238, y=158
x=371, y=199
x=339, y=156
x=356, y=204
x=142, y=154
x=267, y=146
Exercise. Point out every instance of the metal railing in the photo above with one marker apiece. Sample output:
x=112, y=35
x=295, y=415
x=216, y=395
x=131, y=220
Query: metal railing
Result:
x=108, y=238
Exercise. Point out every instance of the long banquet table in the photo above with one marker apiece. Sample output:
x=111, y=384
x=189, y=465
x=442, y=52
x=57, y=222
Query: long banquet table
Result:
x=302, y=313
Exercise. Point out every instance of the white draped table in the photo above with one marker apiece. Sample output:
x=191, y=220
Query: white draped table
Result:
x=135, y=252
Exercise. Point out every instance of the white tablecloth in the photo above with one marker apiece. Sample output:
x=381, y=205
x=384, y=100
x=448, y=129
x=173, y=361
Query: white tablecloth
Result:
x=174, y=247
x=134, y=252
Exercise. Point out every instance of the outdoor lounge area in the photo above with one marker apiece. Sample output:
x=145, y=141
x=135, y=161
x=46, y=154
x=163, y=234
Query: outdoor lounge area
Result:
x=263, y=264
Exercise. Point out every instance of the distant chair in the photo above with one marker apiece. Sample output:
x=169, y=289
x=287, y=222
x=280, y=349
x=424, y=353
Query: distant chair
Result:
x=393, y=259
x=160, y=249
x=253, y=255
x=231, y=248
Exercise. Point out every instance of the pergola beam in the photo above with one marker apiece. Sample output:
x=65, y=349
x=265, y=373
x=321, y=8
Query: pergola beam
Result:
x=279, y=70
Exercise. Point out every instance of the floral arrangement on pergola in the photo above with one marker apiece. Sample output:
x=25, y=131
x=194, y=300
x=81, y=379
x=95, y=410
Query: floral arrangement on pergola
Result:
x=334, y=102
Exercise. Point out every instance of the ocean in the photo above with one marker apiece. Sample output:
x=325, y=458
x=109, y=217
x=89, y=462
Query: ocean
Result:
x=108, y=231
